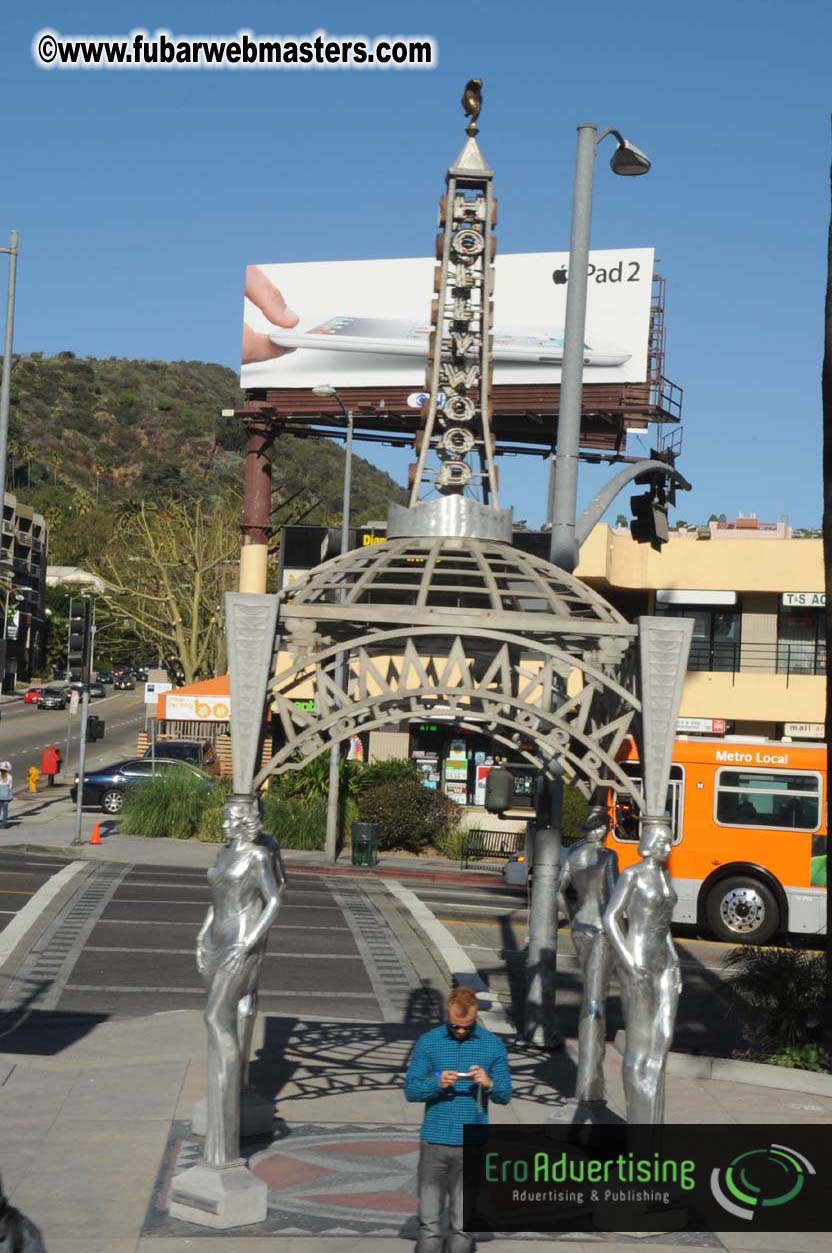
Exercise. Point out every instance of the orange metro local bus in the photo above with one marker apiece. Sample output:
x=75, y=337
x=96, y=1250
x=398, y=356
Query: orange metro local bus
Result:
x=749, y=834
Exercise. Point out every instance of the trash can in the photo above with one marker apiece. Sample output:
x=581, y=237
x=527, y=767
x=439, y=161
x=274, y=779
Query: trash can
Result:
x=95, y=728
x=365, y=841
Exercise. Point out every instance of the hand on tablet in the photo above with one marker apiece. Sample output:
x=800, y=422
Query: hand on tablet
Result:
x=263, y=293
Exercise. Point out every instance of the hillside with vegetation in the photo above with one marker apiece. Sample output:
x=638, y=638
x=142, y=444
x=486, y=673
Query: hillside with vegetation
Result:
x=90, y=439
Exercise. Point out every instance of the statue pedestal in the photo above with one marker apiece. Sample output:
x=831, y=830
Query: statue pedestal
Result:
x=219, y=1197
x=256, y=1115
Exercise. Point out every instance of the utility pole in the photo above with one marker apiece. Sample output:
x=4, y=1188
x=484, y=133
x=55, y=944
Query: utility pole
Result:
x=333, y=796
x=541, y=965
x=78, y=663
x=5, y=390
x=5, y=383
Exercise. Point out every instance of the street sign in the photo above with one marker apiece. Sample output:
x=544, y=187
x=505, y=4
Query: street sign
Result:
x=152, y=691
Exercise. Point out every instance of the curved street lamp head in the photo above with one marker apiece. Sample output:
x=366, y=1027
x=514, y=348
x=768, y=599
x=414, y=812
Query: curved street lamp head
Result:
x=327, y=389
x=628, y=159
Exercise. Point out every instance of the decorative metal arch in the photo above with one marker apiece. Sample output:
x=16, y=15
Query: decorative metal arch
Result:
x=470, y=628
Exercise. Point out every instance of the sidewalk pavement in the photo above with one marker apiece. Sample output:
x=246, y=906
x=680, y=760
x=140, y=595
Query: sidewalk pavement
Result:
x=45, y=821
x=96, y=1120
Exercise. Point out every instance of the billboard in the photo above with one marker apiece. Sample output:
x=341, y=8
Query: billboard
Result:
x=365, y=323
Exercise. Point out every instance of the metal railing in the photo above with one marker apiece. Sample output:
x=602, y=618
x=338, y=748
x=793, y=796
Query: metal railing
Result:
x=785, y=657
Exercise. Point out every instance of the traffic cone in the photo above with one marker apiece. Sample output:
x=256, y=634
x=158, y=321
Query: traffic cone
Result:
x=95, y=838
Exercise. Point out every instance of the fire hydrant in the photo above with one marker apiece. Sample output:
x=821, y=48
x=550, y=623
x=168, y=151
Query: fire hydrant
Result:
x=32, y=776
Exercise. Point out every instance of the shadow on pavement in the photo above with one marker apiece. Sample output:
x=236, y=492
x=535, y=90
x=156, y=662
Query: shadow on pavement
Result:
x=301, y=1060
x=44, y=1033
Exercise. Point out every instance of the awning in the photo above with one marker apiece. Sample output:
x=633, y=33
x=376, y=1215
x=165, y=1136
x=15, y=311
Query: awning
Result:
x=206, y=701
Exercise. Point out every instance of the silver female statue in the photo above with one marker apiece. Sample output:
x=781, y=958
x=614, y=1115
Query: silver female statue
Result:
x=638, y=924
x=591, y=871
x=247, y=883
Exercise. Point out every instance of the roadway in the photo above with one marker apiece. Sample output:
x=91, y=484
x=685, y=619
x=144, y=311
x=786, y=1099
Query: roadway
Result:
x=26, y=730
x=118, y=941
x=490, y=923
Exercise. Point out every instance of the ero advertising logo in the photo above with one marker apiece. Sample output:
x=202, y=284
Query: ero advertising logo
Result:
x=760, y=1179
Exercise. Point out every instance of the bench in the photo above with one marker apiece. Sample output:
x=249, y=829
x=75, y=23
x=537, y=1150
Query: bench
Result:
x=480, y=844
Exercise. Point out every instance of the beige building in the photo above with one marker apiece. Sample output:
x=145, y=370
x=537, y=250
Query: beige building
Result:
x=758, y=659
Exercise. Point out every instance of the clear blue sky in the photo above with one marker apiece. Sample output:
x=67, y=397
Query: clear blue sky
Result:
x=140, y=196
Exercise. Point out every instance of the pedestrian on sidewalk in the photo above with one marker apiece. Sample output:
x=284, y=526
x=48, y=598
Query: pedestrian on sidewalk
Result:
x=50, y=762
x=455, y=1069
x=6, y=785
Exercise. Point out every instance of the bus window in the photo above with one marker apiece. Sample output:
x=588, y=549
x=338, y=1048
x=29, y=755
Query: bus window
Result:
x=627, y=817
x=759, y=798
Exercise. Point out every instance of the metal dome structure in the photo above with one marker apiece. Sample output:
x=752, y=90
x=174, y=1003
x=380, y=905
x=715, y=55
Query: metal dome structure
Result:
x=460, y=627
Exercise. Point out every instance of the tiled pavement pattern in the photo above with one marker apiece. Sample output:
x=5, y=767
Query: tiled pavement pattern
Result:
x=342, y=1179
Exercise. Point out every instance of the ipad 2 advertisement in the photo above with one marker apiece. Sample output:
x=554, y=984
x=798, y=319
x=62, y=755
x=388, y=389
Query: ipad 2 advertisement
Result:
x=366, y=323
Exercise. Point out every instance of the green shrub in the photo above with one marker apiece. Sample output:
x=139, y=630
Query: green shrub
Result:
x=294, y=822
x=312, y=780
x=802, y=1057
x=449, y=844
x=377, y=772
x=574, y=813
x=210, y=823
x=410, y=816
x=173, y=805
x=778, y=991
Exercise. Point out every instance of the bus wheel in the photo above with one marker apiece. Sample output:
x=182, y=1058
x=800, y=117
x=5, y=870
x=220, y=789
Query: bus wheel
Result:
x=742, y=911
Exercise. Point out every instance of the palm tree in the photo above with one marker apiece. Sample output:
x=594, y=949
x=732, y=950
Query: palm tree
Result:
x=55, y=462
x=29, y=452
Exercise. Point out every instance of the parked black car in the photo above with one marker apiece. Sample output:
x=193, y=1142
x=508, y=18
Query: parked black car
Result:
x=97, y=689
x=53, y=698
x=197, y=752
x=106, y=787
x=105, y=676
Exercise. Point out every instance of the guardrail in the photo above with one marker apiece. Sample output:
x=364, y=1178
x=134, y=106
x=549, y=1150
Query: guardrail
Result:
x=786, y=657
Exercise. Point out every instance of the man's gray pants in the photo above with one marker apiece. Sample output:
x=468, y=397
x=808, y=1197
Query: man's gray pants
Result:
x=440, y=1177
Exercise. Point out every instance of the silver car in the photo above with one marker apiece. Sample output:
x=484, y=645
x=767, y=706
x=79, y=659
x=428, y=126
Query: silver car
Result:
x=53, y=698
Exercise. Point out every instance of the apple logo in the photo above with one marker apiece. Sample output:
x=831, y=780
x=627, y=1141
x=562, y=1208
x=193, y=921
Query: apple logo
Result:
x=559, y=277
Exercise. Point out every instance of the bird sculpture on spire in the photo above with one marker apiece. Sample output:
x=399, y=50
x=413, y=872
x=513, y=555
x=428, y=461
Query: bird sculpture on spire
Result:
x=472, y=103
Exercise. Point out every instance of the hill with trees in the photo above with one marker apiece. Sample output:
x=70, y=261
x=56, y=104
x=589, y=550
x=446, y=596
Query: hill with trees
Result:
x=90, y=439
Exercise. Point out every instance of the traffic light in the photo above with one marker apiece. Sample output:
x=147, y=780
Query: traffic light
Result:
x=649, y=524
x=80, y=639
x=499, y=790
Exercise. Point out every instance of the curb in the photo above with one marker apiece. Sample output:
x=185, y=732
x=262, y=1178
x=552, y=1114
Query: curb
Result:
x=462, y=970
x=483, y=878
x=732, y=1070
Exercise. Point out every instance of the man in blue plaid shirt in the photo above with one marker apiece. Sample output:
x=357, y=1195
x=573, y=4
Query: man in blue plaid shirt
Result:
x=455, y=1069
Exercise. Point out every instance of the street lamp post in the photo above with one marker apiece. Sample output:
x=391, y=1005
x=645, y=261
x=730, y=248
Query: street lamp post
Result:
x=331, y=844
x=626, y=160
x=540, y=1023
x=5, y=383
